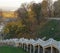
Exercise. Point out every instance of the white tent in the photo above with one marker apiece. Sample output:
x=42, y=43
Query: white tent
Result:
x=26, y=43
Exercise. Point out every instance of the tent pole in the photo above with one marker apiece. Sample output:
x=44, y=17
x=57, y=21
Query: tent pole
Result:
x=33, y=49
x=51, y=49
x=43, y=50
x=38, y=49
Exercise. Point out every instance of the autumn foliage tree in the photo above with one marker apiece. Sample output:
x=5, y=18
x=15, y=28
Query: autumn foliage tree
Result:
x=15, y=30
x=57, y=8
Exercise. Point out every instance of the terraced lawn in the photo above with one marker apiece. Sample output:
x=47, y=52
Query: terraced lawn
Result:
x=51, y=30
x=8, y=49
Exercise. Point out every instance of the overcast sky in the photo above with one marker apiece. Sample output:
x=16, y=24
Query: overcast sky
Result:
x=14, y=4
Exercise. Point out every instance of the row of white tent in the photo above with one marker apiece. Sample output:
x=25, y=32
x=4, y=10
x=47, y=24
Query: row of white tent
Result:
x=31, y=44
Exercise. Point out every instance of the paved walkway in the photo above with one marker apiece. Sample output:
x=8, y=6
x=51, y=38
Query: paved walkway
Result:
x=54, y=18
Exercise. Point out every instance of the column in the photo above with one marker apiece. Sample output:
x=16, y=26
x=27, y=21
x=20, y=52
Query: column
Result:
x=33, y=49
x=51, y=49
x=38, y=49
x=27, y=48
x=30, y=48
x=24, y=46
x=43, y=50
x=59, y=51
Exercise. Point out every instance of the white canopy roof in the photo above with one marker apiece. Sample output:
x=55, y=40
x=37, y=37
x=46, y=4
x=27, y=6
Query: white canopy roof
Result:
x=48, y=43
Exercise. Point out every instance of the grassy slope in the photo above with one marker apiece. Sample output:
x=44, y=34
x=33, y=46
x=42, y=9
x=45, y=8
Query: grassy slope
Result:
x=51, y=30
x=7, y=49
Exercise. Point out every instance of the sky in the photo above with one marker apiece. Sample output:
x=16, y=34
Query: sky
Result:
x=14, y=4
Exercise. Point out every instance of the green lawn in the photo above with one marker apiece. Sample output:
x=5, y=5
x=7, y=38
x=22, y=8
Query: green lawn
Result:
x=8, y=49
x=51, y=30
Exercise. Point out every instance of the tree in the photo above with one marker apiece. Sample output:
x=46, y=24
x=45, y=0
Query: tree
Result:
x=36, y=9
x=16, y=30
x=44, y=8
x=57, y=8
x=22, y=11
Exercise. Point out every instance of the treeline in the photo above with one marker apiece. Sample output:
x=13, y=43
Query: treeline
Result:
x=31, y=18
x=44, y=9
